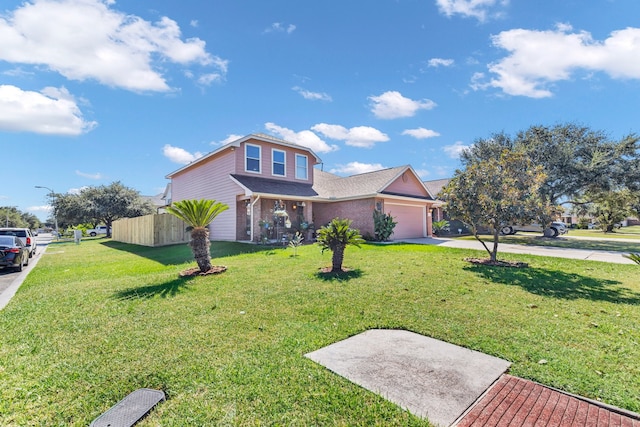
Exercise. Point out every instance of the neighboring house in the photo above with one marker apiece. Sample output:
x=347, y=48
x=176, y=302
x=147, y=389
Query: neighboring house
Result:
x=434, y=187
x=273, y=190
x=157, y=201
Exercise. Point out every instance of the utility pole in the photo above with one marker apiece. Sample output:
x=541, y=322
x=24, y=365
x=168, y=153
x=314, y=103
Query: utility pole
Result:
x=52, y=194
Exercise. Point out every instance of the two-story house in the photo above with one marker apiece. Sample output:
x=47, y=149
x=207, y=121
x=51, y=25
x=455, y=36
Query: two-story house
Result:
x=273, y=189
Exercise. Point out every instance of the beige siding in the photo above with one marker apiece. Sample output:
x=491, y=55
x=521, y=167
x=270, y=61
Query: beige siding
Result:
x=407, y=184
x=211, y=181
x=265, y=161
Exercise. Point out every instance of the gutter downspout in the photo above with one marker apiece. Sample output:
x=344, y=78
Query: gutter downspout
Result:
x=252, y=205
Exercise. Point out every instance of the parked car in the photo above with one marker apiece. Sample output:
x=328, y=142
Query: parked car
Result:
x=101, y=229
x=25, y=235
x=13, y=253
x=555, y=229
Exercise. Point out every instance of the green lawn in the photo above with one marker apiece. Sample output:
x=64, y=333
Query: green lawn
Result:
x=98, y=320
x=632, y=232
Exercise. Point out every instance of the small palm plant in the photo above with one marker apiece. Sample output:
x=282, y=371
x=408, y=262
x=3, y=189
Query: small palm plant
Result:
x=295, y=242
x=336, y=236
x=633, y=257
x=198, y=214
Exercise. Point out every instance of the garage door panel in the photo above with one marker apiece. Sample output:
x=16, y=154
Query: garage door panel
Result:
x=410, y=221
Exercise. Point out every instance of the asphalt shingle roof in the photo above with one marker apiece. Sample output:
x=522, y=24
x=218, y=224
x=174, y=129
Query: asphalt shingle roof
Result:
x=436, y=185
x=329, y=185
x=275, y=186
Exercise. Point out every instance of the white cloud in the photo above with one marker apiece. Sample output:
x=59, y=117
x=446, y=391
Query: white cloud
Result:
x=392, y=105
x=230, y=138
x=355, y=168
x=421, y=133
x=440, y=62
x=313, y=96
x=359, y=136
x=207, y=79
x=479, y=9
x=41, y=208
x=53, y=111
x=455, y=150
x=537, y=59
x=86, y=39
x=76, y=190
x=306, y=138
x=95, y=176
x=278, y=27
x=180, y=155
x=423, y=173
x=17, y=72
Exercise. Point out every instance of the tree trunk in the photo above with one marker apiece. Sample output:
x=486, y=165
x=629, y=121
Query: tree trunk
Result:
x=337, y=258
x=477, y=236
x=200, y=246
x=494, y=252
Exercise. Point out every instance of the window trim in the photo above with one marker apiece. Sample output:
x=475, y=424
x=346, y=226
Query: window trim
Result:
x=306, y=166
x=284, y=162
x=246, y=158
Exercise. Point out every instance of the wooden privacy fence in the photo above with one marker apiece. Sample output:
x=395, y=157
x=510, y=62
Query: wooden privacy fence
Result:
x=151, y=230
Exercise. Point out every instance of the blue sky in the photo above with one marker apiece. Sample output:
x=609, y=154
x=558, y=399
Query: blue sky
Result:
x=96, y=91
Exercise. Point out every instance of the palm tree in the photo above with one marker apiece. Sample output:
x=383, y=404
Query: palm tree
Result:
x=633, y=257
x=336, y=236
x=198, y=214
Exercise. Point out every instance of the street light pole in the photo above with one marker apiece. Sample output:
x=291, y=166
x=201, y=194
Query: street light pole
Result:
x=55, y=216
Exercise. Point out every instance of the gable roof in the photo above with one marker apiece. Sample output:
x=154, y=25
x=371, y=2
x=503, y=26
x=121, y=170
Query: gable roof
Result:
x=436, y=185
x=255, y=136
x=330, y=186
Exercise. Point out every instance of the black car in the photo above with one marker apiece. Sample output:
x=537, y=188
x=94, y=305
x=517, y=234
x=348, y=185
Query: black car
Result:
x=24, y=234
x=13, y=253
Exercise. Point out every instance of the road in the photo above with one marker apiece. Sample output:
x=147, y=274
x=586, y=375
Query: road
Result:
x=11, y=280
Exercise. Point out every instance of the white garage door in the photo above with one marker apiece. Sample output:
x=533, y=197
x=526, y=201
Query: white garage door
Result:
x=411, y=221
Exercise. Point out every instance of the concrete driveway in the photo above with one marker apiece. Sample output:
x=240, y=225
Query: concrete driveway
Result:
x=585, y=254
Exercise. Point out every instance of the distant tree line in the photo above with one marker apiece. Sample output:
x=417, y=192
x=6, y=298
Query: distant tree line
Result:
x=99, y=205
x=10, y=216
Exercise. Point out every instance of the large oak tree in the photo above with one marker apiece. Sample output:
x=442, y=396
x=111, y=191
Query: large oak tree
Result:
x=102, y=204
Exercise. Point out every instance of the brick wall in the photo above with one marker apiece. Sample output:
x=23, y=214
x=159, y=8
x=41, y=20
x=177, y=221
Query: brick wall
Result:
x=358, y=211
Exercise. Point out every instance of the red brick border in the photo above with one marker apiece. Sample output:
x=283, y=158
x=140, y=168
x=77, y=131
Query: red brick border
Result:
x=515, y=402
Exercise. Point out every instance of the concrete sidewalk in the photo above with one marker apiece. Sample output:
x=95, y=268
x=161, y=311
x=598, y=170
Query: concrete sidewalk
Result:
x=451, y=385
x=604, y=256
x=430, y=378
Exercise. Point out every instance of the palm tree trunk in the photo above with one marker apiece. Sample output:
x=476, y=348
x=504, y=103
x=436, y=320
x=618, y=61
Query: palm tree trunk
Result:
x=337, y=258
x=200, y=246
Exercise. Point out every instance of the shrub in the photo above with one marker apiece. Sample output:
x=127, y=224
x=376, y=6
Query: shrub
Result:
x=336, y=236
x=383, y=225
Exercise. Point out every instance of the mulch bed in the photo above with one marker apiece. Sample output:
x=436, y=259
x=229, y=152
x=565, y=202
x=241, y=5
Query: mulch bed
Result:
x=498, y=263
x=195, y=271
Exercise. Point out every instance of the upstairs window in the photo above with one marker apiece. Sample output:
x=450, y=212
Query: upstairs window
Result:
x=252, y=158
x=278, y=163
x=301, y=167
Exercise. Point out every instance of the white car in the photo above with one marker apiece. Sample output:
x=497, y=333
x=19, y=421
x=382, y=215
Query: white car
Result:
x=557, y=228
x=24, y=234
x=101, y=229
